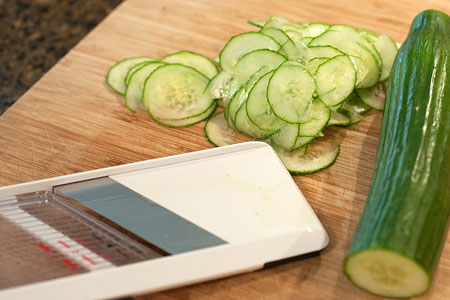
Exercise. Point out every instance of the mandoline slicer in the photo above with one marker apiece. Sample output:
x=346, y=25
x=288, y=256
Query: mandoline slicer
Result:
x=152, y=225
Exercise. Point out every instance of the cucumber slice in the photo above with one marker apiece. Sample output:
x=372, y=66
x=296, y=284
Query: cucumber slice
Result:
x=355, y=103
x=338, y=119
x=290, y=92
x=188, y=121
x=313, y=64
x=286, y=137
x=320, y=155
x=302, y=141
x=335, y=80
x=288, y=48
x=134, y=69
x=387, y=273
x=241, y=97
x=262, y=60
x=275, y=33
x=222, y=86
x=117, y=73
x=314, y=29
x=174, y=92
x=243, y=124
x=374, y=96
x=219, y=134
x=242, y=44
x=283, y=24
x=347, y=40
x=325, y=51
x=353, y=108
x=133, y=93
x=197, y=61
x=259, y=110
x=233, y=106
x=320, y=114
x=367, y=34
x=388, y=50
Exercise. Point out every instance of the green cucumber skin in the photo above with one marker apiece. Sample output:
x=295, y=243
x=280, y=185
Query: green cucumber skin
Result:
x=408, y=206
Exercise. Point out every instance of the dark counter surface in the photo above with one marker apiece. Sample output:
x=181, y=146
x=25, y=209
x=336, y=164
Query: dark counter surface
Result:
x=35, y=34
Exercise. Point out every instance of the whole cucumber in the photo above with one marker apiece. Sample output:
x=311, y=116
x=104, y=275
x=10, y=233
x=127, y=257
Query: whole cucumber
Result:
x=405, y=220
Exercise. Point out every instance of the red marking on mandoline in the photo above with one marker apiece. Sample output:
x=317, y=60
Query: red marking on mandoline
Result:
x=69, y=263
x=89, y=260
x=44, y=247
x=64, y=244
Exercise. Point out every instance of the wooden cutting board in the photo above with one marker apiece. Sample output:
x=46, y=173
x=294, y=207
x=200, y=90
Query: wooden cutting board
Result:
x=70, y=121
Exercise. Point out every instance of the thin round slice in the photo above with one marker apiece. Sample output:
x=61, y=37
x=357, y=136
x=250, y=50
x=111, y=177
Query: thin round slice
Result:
x=367, y=59
x=386, y=273
x=219, y=134
x=286, y=136
x=117, y=73
x=263, y=60
x=388, y=50
x=242, y=44
x=199, y=62
x=374, y=96
x=133, y=93
x=320, y=155
x=245, y=125
x=338, y=119
x=174, y=92
x=259, y=110
x=133, y=69
x=335, y=80
x=189, y=121
x=320, y=114
x=290, y=92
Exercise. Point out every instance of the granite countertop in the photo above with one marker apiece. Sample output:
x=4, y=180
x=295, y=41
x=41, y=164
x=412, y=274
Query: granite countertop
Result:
x=35, y=34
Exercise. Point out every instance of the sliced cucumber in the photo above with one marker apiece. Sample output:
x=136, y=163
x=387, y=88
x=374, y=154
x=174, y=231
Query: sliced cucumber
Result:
x=353, y=108
x=199, y=62
x=314, y=29
x=347, y=39
x=325, y=51
x=356, y=104
x=367, y=34
x=117, y=73
x=313, y=64
x=302, y=141
x=188, y=121
x=374, y=96
x=320, y=114
x=338, y=119
x=133, y=92
x=262, y=60
x=241, y=97
x=388, y=50
x=384, y=272
x=320, y=155
x=259, y=110
x=134, y=69
x=290, y=92
x=288, y=48
x=174, y=92
x=245, y=125
x=219, y=134
x=277, y=34
x=335, y=80
x=222, y=86
x=286, y=136
x=242, y=44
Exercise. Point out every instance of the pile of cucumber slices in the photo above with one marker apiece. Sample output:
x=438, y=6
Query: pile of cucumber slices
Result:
x=284, y=84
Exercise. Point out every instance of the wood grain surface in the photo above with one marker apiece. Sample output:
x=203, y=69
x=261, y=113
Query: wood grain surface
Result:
x=70, y=121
